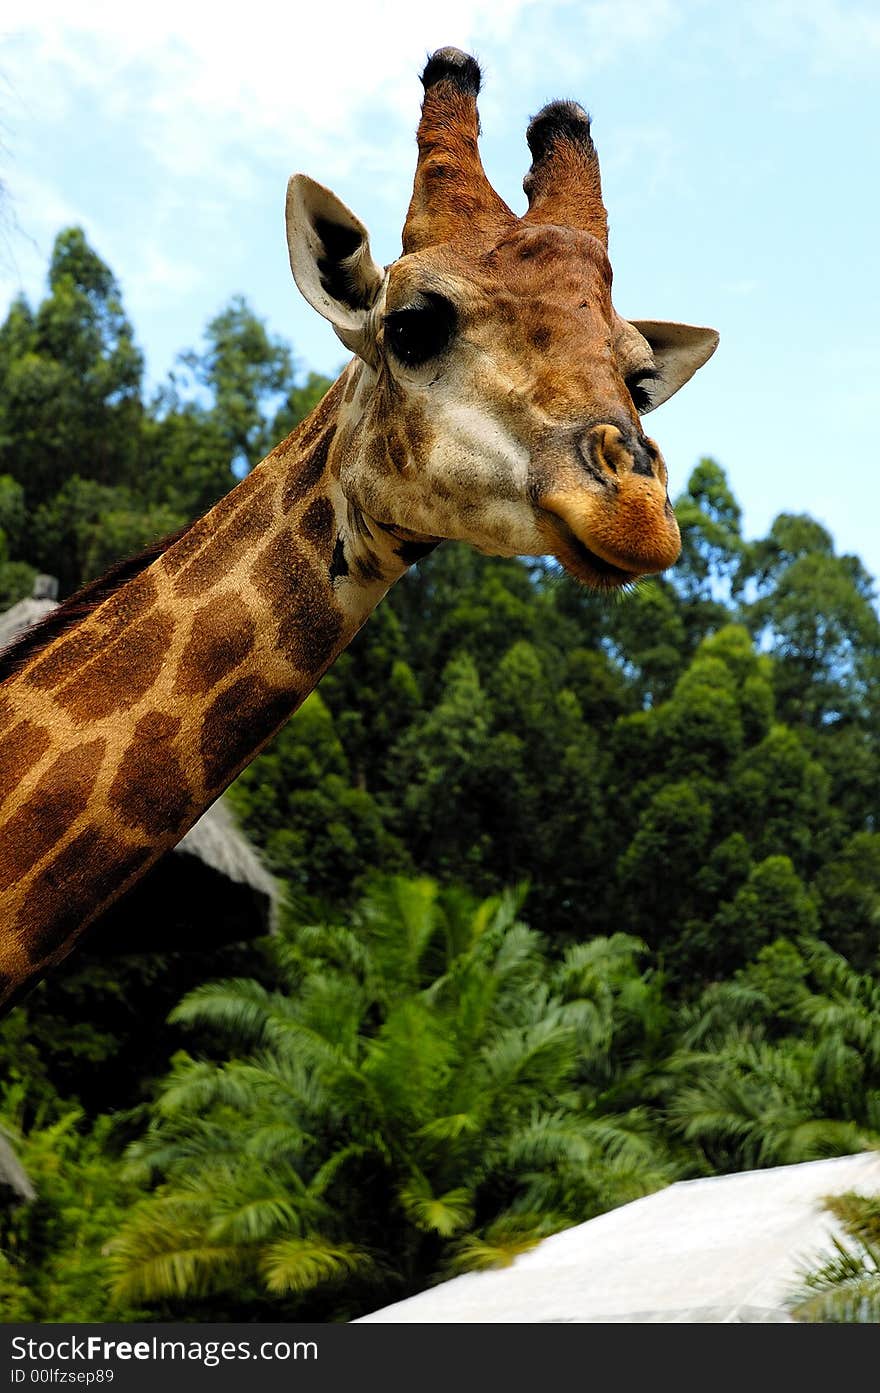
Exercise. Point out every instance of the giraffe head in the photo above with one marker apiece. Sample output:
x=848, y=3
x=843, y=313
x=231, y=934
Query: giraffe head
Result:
x=500, y=394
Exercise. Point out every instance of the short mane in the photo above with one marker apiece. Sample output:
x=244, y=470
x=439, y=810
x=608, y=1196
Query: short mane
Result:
x=77, y=606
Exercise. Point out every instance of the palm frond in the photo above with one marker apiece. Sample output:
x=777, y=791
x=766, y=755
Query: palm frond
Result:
x=163, y=1252
x=451, y=1127
x=845, y=1289
x=301, y=1264
x=504, y=1240
x=445, y=1214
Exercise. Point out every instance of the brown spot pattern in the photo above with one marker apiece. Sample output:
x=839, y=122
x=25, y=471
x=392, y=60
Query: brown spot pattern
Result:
x=310, y=621
x=70, y=651
x=306, y=474
x=202, y=532
x=67, y=893
x=222, y=636
x=238, y=723
x=245, y=528
x=23, y=745
x=377, y=451
x=58, y=799
x=318, y=524
x=122, y=674
x=151, y=790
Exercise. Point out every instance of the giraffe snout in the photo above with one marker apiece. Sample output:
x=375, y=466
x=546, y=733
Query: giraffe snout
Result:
x=627, y=521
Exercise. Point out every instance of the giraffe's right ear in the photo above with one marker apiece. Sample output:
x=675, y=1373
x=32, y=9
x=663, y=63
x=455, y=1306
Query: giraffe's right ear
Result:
x=330, y=259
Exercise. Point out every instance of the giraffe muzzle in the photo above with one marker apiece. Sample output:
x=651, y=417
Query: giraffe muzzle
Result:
x=616, y=523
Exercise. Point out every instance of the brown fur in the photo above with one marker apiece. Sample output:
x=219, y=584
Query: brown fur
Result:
x=223, y=634
x=48, y=812
x=237, y=723
x=151, y=762
x=451, y=192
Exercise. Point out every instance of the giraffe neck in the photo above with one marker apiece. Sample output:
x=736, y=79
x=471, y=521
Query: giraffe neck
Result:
x=116, y=736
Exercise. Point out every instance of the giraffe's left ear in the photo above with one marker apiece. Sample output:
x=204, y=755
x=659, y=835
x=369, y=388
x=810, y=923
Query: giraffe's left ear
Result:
x=678, y=349
x=330, y=259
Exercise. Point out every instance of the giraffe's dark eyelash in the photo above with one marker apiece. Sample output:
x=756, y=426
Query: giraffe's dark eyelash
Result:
x=637, y=386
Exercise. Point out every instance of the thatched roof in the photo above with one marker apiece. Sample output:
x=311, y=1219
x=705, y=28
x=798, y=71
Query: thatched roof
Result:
x=14, y=1183
x=217, y=841
x=211, y=889
x=730, y=1249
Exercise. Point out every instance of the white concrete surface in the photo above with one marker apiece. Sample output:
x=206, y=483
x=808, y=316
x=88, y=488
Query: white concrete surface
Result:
x=727, y=1249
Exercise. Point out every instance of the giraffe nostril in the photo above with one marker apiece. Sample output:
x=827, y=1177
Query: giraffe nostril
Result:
x=607, y=449
x=643, y=460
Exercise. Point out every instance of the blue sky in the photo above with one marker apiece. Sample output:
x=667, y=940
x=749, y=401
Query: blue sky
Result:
x=738, y=147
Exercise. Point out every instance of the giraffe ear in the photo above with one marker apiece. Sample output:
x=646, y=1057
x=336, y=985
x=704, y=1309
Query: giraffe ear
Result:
x=678, y=349
x=330, y=259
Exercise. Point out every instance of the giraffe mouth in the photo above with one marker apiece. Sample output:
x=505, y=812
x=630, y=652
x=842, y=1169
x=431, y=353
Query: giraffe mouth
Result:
x=581, y=561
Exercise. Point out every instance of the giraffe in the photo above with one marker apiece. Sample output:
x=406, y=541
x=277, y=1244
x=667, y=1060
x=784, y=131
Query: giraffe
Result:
x=494, y=396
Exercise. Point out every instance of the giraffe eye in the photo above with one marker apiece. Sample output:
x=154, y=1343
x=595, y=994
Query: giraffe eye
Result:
x=421, y=330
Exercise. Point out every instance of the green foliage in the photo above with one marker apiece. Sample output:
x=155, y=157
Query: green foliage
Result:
x=89, y=472
x=845, y=1289
x=816, y=611
x=243, y=368
x=70, y=379
x=772, y=904
x=783, y=1064
x=51, y=1261
x=317, y=828
x=400, y=1101
x=848, y=892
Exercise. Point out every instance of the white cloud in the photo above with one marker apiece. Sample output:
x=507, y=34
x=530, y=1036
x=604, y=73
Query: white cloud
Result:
x=199, y=79
x=195, y=74
x=195, y=103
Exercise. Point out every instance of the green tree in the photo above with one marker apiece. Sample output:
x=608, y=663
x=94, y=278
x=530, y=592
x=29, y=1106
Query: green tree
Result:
x=773, y=903
x=815, y=611
x=779, y=796
x=845, y=1288
x=301, y=398
x=316, y=827
x=848, y=891
x=87, y=526
x=16, y=576
x=747, y=1093
x=248, y=373
x=188, y=460
x=712, y=549
x=70, y=379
